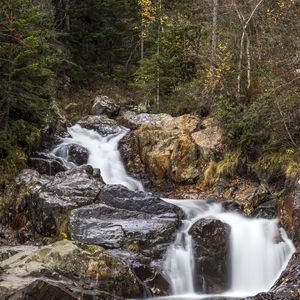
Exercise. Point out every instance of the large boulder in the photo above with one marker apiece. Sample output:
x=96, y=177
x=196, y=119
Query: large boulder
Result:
x=212, y=255
x=126, y=219
x=103, y=105
x=102, y=124
x=66, y=268
x=171, y=150
x=45, y=202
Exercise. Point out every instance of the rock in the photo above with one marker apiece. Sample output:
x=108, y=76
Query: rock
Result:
x=211, y=250
x=102, y=124
x=249, y=195
x=129, y=150
x=153, y=279
x=209, y=139
x=133, y=120
x=105, y=106
x=171, y=150
x=288, y=211
x=8, y=251
x=287, y=287
x=49, y=290
x=266, y=210
x=118, y=196
x=74, y=153
x=78, y=154
x=125, y=219
x=48, y=166
x=67, y=268
x=45, y=202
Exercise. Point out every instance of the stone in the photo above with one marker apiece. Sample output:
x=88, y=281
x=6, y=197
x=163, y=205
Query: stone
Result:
x=102, y=124
x=74, y=153
x=45, y=202
x=49, y=290
x=125, y=219
x=288, y=211
x=67, y=268
x=209, y=139
x=266, y=210
x=170, y=150
x=103, y=105
x=48, y=166
x=212, y=255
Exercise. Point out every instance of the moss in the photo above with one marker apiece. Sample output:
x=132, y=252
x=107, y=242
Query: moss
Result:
x=210, y=174
x=227, y=167
x=134, y=247
x=12, y=165
x=286, y=163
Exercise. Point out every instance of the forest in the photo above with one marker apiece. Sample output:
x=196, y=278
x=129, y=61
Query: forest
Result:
x=149, y=148
x=235, y=60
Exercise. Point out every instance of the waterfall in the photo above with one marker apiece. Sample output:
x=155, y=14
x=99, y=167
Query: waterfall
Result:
x=259, y=248
x=103, y=154
x=260, y=251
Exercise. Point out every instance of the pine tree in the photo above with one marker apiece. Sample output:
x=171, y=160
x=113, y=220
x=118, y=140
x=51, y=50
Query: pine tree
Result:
x=26, y=58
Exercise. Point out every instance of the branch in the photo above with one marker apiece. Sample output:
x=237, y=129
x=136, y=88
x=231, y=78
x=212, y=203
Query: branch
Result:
x=286, y=127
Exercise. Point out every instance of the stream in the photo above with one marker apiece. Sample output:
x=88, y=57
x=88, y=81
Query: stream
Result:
x=259, y=248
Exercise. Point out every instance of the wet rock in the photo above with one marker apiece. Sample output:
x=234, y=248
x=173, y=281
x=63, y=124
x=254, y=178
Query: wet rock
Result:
x=66, y=269
x=153, y=279
x=48, y=166
x=129, y=150
x=288, y=211
x=105, y=106
x=266, y=210
x=45, y=202
x=211, y=250
x=118, y=196
x=74, y=153
x=231, y=206
x=125, y=219
x=170, y=150
x=102, y=124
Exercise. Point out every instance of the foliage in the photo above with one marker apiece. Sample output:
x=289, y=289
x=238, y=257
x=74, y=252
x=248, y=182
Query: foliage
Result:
x=26, y=57
x=100, y=35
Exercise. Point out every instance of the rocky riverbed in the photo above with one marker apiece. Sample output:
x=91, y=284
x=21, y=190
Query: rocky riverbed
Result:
x=66, y=234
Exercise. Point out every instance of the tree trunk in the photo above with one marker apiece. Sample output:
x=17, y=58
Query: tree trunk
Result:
x=157, y=55
x=214, y=42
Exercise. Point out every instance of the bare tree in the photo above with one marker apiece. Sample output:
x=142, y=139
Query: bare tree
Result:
x=214, y=41
x=245, y=22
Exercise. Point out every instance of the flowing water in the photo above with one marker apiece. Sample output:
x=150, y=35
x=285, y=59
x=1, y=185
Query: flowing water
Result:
x=103, y=154
x=259, y=249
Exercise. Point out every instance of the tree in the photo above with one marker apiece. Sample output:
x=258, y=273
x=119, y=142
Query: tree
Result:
x=26, y=57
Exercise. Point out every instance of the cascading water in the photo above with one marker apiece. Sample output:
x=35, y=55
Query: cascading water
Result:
x=260, y=250
x=103, y=154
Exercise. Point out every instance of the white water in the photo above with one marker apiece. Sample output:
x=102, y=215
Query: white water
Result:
x=260, y=251
x=103, y=154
